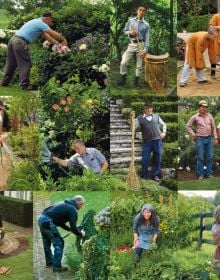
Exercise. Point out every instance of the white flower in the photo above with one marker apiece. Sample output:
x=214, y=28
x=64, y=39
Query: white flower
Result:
x=178, y=159
x=82, y=47
x=179, y=148
x=187, y=136
x=188, y=168
x=60, y=48
x=3, y=46
x=46, y=44
x=104, y=68
x=2, y=34
x=204, y=167
x=95, y=67
x=180, y=168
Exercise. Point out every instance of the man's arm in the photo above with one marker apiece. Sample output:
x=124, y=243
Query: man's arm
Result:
x=54, y=35
x=104, y=166
x=72, y=221
x=60, y=161
x=214, y=131
x=189, y=127
x=147, y=39
x=164, y=126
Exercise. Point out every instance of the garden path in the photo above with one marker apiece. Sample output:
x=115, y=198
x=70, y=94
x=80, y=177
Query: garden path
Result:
x=40, y=271
x=193, y=88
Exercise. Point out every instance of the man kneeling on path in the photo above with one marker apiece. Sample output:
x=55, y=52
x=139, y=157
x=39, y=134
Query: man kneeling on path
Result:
x=57, y=216
x=88, y=158
x=18, y=54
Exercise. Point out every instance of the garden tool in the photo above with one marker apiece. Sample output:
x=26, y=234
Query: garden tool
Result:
x=132, y=179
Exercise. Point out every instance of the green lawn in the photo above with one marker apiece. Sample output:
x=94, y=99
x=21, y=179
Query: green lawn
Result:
x=3, y=19
x=22, y=264
x=205, y=184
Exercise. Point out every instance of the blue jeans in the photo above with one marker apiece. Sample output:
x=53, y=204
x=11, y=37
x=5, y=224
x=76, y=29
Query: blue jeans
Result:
x=51, y=235
x=154, y=146
x=204, y=155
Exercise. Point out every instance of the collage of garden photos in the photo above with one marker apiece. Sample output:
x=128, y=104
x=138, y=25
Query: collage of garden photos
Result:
x=109, y=140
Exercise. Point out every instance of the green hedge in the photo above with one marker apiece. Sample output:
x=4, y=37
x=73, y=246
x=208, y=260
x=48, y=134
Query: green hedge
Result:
x=159, y=106
x=170, y=153
x=172, y=132
x=16, y=211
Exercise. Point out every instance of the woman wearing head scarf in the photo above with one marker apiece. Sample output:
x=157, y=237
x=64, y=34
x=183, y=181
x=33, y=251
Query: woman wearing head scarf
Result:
x=145, y=229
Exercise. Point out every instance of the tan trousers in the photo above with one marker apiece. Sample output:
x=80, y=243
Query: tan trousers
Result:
x=131, y=51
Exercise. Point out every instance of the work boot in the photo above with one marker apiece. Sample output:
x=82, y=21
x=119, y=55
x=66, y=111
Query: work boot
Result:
x=137, y=82
x=60, y=269
x=29, y=87
x=213, y=69
x=122, y=80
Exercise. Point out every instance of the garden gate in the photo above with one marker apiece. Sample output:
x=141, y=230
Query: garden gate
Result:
x=204, y=227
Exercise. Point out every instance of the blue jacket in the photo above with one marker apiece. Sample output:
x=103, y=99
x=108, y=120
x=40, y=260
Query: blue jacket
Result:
x=64, y=212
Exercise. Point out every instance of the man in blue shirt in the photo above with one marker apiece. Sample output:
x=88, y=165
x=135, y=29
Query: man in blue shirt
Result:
x=18, y=54
x=138, y=31
x=57, y=216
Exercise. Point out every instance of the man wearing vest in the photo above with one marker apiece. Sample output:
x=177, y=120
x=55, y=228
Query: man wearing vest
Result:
x=152, y=136
x=18, y=54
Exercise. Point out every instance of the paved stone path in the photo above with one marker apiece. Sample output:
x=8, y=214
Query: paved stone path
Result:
x=40, y=271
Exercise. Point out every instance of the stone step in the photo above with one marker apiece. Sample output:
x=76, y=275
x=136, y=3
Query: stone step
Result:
x=120, y=126
x=125, y=141
x=115, y=109
x=124, y=150
x=123, y=154
x=123, y=163
x=119, y=121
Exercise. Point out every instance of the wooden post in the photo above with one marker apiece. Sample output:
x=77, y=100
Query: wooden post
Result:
x=218, y=3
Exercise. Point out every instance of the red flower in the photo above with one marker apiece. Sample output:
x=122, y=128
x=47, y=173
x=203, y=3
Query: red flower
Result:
x=66, y=109
x=63, y=101
x=124, y=248
x=55, y=106
x=69, y=99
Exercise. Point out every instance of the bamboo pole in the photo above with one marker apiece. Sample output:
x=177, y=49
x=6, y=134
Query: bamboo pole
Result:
x=132, y=178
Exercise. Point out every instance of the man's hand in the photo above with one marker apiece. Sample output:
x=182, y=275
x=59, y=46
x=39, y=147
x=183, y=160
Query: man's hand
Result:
x=162, y=135
x=83, y=232
x=56, y=159
x=133, y=33
x=143, y=53
x=136, y=243
x=132, y=114
x=216, y=141
x=194, y=137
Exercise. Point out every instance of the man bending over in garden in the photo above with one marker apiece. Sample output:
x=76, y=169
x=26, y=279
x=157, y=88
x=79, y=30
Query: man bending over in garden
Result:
x=195, y=47
x=152, y=136
x=18, y=54
x=215, y=22
x=204, y=134
x=57, y=216
x=137, y=30
x=88, y=158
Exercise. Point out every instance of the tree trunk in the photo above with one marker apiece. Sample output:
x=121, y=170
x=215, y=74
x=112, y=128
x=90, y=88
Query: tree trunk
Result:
x=172, y=49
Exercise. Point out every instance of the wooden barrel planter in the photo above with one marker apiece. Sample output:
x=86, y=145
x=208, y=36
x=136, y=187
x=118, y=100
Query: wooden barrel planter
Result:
x=156, y=71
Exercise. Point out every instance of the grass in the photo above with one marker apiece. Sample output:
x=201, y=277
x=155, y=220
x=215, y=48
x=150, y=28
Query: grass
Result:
x=145, y=89
x=22, y=264
x=3, y=19
x=205, y=184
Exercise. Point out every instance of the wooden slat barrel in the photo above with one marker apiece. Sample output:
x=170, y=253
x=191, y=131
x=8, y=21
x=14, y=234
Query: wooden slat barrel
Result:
x=156, y=71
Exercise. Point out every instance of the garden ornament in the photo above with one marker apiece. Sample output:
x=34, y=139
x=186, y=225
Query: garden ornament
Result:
x=132, y=179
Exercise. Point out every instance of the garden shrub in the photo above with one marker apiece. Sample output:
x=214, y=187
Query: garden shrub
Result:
x=198, y=23
x=88, y=226
x=172, y=132
x=95, y=254
x=17, y=211
x=24, y=177
x=3, y=52
x=170, y=154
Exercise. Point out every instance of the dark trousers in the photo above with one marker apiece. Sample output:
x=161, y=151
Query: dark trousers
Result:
x=17, y=57
x=51, y=236
x=155, y=147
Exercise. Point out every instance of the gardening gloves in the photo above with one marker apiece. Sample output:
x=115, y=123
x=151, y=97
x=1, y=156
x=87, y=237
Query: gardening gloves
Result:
x=83, y=232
